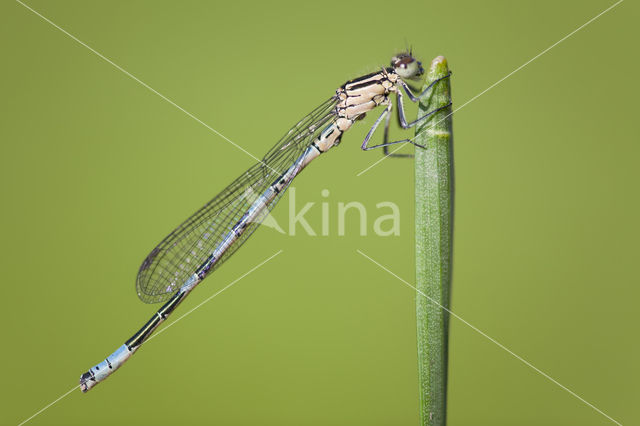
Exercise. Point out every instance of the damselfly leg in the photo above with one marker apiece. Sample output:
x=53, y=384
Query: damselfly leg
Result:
x=386, y=113
x=385, y=148
x=416, y=98
x=385, y=144
x=402, y=121
x=401, y=116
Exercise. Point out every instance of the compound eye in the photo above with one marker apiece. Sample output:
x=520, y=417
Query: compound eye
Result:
x=406, y=66
x=402, y=61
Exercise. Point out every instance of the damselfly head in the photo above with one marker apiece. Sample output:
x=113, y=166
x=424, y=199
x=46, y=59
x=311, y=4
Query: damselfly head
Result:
x=406, y=66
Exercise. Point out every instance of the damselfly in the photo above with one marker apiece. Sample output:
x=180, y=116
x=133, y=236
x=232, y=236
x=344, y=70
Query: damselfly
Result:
x=212, y=234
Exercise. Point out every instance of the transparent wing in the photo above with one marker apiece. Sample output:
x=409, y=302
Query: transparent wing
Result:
x=180, y=254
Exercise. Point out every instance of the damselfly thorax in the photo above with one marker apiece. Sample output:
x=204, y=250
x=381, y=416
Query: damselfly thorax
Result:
x=354, y=99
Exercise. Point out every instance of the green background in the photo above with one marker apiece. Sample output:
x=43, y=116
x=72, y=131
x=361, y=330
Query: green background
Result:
x=96, y=169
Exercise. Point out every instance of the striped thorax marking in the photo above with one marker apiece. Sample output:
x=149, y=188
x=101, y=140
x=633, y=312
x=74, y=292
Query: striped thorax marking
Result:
x=356, y=98
x=359, y=96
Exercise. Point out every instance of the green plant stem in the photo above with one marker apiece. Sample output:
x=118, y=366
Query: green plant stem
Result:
x=434, y=234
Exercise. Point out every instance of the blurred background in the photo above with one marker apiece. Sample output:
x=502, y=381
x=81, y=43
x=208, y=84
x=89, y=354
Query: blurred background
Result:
x=96, y=170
